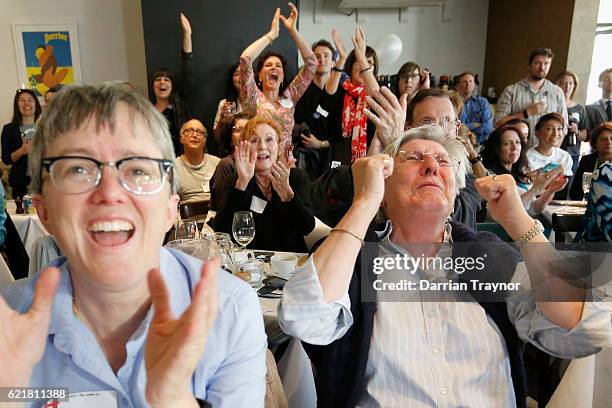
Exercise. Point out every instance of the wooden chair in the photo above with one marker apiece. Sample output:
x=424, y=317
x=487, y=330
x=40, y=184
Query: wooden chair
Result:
x=192, y=209
x=562, y=223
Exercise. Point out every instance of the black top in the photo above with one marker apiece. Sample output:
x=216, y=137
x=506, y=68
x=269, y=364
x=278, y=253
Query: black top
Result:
x=221, y=182
x=281, y=226
x=341, y=146
x=586, y=165
x=11, y=141
x=306, y=111
x=178, y=111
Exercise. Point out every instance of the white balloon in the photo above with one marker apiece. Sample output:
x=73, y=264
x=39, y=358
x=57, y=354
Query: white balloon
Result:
x=388, y=48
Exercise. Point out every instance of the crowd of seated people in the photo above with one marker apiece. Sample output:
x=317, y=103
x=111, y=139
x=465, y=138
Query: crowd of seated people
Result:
x=388, y=167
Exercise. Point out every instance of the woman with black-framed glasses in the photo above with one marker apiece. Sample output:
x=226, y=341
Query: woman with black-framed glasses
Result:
x=16, y=138
x=119, y=314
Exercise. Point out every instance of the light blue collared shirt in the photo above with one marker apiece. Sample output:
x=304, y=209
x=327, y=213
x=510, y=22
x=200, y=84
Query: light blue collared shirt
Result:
x=230, y=374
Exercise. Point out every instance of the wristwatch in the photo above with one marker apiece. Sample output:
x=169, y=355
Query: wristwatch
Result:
x=476, y=159
x=337, y=69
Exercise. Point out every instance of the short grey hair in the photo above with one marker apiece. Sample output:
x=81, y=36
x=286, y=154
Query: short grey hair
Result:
x=436, y=133
x=75, y=105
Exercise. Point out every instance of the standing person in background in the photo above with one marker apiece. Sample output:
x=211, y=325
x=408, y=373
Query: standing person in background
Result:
x=168, y=98
x=601, y=111
x=228, y=107
x=274, y=99
x=194, y=167
x=313, y=146
x=533, y=96
x=16, y=138
x=2, y=216
x=577, y=116
x=476, y=113
x=350, y=132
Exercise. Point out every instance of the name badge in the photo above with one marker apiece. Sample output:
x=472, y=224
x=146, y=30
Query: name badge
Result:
x=335, y=164
x=92, y=399
x=322, y=111
x=258, y=205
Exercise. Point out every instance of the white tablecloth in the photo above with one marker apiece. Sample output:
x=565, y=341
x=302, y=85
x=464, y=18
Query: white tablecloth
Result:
x=549, y=210
x=29, y=228
x=294, y=367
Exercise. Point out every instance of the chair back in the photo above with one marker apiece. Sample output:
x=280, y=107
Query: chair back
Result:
x=562, y=223
x=192, y=209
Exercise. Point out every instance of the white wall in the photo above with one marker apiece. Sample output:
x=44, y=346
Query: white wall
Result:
x=445, y=47
x=111, y=42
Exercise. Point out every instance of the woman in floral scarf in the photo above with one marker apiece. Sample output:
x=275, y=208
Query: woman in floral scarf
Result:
x=350, y=132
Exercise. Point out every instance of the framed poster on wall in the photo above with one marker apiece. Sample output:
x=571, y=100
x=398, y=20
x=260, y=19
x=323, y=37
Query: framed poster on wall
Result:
x=47, y=55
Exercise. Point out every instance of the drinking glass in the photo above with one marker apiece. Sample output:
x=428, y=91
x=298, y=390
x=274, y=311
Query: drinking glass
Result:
x=220, y=245
x=186, y=230
x=586, y=183
x=243, y=228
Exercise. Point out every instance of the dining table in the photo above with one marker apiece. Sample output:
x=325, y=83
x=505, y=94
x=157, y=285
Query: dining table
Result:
x=294, y=367
x=28, y=225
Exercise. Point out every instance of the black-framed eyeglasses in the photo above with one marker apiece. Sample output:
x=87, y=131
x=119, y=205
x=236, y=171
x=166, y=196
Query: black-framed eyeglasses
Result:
x=79, y=174
x=409, y=76
x=191, y=131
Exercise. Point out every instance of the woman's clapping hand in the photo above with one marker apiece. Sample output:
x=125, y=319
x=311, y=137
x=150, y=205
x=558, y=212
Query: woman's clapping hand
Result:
x=245, y=164
x=23, y=336
x=279, y=176
x=174, y=346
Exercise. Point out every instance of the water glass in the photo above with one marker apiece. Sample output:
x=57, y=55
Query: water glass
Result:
x=243, y=228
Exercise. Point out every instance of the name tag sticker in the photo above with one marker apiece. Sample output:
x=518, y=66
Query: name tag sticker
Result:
x=92, y=399
x=258, y=205
x=322, y=111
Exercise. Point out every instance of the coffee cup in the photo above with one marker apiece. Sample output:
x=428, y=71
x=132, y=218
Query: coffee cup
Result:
x=284, y=264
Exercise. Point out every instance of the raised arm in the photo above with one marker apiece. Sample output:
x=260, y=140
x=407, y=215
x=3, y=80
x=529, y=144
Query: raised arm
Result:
x=359, y=42
x=186, y=27
x=252, y=51
x=331, y=86
x=335, y=271
x=506, y=208
x=291, y=26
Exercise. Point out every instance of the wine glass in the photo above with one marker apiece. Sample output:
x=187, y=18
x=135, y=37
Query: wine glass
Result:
x=586, y=183
x=186, y=230
x=243, y=228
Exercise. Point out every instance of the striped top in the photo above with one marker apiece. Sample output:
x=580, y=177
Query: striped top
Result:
x=434, y=349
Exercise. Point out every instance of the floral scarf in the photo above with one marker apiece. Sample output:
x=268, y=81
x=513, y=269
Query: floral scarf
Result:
x=354, y=121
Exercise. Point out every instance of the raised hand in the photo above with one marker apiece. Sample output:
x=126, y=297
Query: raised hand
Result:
x=537, y=108
x=556, y=181
x=369, y=175
x=503, y=201
x=425, y=81
x=359, y=43
x=279, y=176
x=23, y=336
x=245, y=164
x=340, y=48
x=390, y=114
x=291, y=21
x=185, y=24
x=274, y=27
x=174, y=346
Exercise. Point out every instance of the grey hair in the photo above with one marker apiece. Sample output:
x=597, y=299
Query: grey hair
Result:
x=436, y=133
x=75, y=105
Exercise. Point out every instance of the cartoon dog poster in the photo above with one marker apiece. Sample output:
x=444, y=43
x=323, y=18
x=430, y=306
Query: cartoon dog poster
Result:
x=47, y=56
